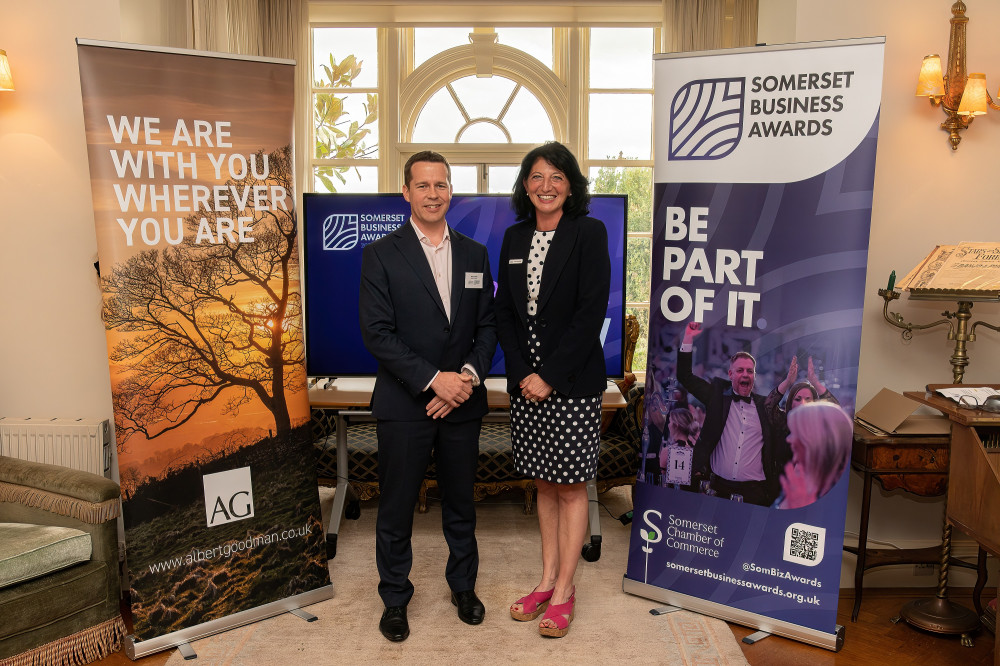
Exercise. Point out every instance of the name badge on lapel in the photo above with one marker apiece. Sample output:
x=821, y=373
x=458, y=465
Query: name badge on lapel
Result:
x=516, y=261
x=473, y=280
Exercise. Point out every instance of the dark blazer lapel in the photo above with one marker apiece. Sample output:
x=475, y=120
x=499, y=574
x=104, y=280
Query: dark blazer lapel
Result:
x=459, y=267
x=409, y=247
x=556, y=258
x=520, y=245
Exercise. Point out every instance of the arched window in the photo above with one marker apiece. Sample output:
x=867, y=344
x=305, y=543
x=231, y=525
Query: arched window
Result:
x=483, y=103
x=482, y=110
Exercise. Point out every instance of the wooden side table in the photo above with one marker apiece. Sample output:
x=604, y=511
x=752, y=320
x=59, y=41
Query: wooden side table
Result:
x=917, y=464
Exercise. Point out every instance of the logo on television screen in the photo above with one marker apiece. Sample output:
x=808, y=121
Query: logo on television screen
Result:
x=340, y=231
x=228, y=496
x=706, y=119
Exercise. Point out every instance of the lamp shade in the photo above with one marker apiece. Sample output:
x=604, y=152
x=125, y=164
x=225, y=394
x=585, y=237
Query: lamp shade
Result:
x=6, y=80
x=931, y=82
x=974, y=97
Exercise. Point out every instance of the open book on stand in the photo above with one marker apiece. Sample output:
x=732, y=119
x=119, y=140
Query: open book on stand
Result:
x=962, y=267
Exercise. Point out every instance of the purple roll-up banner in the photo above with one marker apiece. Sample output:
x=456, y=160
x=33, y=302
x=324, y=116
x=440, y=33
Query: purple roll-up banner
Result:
x=765, y=167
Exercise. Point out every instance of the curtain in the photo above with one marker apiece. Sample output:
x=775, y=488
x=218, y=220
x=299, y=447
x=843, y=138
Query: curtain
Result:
x=745, y=23
x=700, y=25
x=268, y=28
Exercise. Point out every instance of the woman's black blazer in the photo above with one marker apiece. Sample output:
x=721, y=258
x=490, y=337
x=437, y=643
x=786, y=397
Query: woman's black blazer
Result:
x=572, y=306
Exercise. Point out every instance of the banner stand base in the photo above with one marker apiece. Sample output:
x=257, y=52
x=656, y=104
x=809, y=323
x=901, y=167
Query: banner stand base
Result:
x=134, y=650
x=834, y=641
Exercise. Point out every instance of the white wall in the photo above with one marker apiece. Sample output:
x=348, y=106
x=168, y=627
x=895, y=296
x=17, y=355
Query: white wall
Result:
x=925, y=194
x=156, y=22
x=53, y=357
x=776, y=21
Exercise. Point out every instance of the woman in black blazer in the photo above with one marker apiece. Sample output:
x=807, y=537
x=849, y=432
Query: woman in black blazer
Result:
x=553, y=285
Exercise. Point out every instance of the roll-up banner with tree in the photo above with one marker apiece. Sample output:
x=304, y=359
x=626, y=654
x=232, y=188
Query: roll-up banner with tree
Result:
x=764, y=180
x=191, y=169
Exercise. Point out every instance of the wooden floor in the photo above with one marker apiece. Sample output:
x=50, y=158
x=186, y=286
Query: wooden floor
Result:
x=873, y=639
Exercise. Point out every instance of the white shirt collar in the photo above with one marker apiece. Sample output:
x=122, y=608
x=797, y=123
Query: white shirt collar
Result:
x=423, y=238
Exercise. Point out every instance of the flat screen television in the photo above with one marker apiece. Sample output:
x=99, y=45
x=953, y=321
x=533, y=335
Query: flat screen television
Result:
x=338, y=226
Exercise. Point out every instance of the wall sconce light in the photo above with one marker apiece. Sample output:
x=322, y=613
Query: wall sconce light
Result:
x=6, y=80
x=962, y=98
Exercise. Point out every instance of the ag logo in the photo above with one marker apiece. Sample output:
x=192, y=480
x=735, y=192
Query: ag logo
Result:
x=706, y=119
x=228, y=496
x=340, y=232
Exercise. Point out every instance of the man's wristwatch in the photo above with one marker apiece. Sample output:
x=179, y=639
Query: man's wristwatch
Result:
x=475, y=379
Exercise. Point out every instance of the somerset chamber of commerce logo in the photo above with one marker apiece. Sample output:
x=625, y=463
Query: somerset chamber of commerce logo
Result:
x=341, y=231
x=228, y=496
x=650, y=533
x=706, y=119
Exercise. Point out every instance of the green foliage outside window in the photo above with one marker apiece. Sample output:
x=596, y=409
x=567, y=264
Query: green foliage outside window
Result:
x=642, y=345
x=338, y=136
x=637, y=183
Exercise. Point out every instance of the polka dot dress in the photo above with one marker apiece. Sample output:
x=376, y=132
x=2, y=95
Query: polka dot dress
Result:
x=557, y=439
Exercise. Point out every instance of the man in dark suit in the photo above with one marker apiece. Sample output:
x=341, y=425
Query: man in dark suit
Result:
x=426, y=311
x=735, y=451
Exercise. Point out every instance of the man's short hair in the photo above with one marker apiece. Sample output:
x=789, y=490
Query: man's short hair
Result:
x=424, y=156
x=742, y=354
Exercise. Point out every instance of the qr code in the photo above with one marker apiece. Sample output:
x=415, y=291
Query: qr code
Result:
x=804, y=544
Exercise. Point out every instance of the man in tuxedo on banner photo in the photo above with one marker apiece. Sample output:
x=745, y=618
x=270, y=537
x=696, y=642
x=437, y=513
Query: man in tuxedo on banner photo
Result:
x=426, y=313
x=735, y=452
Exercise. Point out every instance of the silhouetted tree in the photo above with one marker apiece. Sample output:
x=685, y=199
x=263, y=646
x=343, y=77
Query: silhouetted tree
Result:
x=203, y=318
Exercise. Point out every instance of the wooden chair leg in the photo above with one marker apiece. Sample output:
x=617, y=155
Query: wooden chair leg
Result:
x=422, y=497
x=529, y=498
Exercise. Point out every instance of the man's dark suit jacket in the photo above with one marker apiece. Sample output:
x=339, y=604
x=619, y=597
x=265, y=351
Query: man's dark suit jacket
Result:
x=572, y=305
x=404, y=325
x=717, y=396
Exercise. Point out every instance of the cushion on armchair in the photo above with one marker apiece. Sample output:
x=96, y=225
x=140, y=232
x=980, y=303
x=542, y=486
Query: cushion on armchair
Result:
x=30, y=551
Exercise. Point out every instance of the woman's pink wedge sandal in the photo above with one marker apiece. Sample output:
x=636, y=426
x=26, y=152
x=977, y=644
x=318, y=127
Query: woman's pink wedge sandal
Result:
x=531, y=606
x=561, y=615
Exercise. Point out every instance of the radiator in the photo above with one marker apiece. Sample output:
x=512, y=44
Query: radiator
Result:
x=76, y=443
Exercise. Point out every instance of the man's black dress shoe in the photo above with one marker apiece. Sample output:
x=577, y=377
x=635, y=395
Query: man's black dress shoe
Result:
x=470, y=608
x=393, y=624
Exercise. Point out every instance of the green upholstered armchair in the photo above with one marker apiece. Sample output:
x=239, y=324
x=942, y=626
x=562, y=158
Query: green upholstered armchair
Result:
x=59, y=580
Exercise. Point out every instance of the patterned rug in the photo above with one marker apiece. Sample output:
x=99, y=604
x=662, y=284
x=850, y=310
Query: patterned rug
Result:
x=610, y=626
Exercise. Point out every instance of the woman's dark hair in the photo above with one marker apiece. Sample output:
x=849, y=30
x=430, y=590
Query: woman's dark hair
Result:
x=558, y=155
x=794, y=391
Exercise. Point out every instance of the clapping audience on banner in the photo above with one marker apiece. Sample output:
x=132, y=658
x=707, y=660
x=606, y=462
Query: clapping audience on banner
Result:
x=735, y=453
x=426, y=311
x=801, y=392
x=552, y=294
x=820, y=435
